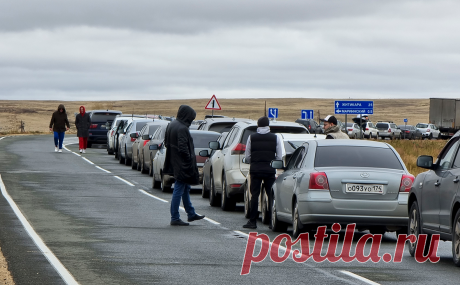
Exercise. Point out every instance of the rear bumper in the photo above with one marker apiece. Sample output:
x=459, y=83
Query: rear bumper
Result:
x=234, y=176
x=317, y=206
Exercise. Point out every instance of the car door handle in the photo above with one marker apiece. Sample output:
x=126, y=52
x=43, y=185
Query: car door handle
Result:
x=437, y=183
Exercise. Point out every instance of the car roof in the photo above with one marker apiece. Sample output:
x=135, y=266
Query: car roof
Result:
x=252, y=123
x=105, y=111
x=359, y=143
x=224, y=120
x=204, y=132
x=292, y=137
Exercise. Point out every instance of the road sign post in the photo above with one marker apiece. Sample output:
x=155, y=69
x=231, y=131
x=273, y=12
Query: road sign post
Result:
x=405, y=128
x=273, y=113
x=307, y=114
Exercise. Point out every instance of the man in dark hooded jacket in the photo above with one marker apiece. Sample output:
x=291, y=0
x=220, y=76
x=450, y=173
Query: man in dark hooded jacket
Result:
x=58, y=125
x=180, y=161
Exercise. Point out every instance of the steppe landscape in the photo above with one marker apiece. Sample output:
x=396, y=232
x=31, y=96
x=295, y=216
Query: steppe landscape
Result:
x=36, y=114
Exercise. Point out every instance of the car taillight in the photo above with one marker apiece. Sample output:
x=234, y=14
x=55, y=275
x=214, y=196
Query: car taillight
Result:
x=111, y=134
x=318, y=180
x=367, y=129
x=389, y=130
x=93, y=126
x=309, y=127
x=133, y=139
x=428, y=130
x=350, y=130
x=239, y=149
x=406, y=183
x=407, y=132
x=235, y=185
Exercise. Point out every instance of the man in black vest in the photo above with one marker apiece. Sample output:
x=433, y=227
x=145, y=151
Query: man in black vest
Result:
x=261, y=149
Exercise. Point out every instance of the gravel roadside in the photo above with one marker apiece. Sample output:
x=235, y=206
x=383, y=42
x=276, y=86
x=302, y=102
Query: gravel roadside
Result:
x=5, y=275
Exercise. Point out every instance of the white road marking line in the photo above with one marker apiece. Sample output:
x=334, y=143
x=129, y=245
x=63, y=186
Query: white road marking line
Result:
x=241, y=233
x=76, y=154
x=127, y=182
x=359, y=277
x=103, y=169
x=53, y=260
x=155, y=197
x=89, y=161
x=211, y=221
x=65, y=147
x=2, y=138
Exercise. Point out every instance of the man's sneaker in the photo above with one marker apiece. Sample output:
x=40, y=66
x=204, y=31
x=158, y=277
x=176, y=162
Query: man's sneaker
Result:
x=84, y=151
x=195, y=218
x=179, y=223
x=81, y=150
x=60, y=150
x=250, y=225
x=55, y=149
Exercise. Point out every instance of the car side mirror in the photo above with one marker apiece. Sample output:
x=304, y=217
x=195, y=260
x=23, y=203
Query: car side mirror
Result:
x=244, y=160
x=277, y=164
x=146, y=137
x=153, y=147
x=214, y=145
x=425, y=161
x=134, y=135
x=204, y=153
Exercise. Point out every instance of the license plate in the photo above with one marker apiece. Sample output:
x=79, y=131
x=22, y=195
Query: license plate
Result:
x=364, y=188
x=444, y=134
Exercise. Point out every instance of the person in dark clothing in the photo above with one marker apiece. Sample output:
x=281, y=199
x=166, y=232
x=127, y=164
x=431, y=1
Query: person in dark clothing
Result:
x=58, y=125
x=180, y=161
x=261, y=148
x=83, y=122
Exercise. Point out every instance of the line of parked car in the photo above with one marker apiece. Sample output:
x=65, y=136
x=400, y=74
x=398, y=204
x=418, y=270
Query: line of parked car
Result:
x=319, y=182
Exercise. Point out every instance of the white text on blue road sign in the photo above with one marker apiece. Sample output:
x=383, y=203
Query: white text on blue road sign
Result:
x=354, y=107
x=273, y=113
x=307, y=114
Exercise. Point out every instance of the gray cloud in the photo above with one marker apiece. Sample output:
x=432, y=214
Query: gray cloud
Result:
x=96, y=50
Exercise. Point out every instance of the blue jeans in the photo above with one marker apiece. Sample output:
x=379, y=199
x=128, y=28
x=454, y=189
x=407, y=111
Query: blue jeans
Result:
x=181, y=190
x=58, y=136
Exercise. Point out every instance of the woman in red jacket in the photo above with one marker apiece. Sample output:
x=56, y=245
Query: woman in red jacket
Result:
x=83, y=122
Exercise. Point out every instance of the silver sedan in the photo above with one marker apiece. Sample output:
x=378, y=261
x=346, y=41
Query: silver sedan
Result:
x=342, y=181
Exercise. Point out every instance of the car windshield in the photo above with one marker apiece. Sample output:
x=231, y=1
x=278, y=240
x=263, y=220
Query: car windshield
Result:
x=103, y=117
x=221, y=127
x=404, y=127
x=349, y=125
x=356, y=156
x=201, y=140
x=273, y=129
x=423, y=126
x=153, y=128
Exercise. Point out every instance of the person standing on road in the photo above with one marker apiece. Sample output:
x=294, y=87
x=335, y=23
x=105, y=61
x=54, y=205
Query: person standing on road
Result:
x=180, y=161
x=82, y=122
x=331, y=130
x=261, y=148
x=58, y=125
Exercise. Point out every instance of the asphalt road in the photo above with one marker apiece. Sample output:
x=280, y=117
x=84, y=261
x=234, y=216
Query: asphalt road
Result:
x=99, y=229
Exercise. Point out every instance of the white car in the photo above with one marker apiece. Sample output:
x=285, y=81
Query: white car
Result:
x=371, y=131
x=228, y=170
x=118, y=124
x=428, y=130
x=290, y=143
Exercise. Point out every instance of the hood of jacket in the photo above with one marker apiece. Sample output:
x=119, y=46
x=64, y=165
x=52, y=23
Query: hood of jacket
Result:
x=333, y=129
x=84, y=110
x=186, y=115
x=263, y=130
x=61, y=106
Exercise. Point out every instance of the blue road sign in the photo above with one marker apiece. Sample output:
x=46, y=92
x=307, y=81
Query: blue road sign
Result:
x=405, y=120
x=354, y=107
x=273, y=113
x=307, y=114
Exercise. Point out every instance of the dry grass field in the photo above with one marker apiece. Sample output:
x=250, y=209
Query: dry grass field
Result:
x=36, y=114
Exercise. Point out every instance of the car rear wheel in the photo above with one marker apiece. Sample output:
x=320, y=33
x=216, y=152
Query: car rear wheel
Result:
x=143, y=170
x=88, y=145
x=277, y=225
x=247, y=202
x=127, y=160
x=456, y=239
x=133, y=164
x=265, y=209
x=204, y=189
x=296, y=223
x=415, y=228
x=164, y=184
x=213, y=199
x=151, y=166
x=227, y=203
x=138, y=164
x=356, y=136
x=121, y=159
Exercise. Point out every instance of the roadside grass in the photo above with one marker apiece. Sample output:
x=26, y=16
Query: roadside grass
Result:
x=409, y=150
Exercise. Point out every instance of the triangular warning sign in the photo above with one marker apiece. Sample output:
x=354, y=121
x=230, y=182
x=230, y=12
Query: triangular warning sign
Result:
x=213, y=104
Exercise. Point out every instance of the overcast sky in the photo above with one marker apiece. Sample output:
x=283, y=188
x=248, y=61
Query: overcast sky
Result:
x=146, y=49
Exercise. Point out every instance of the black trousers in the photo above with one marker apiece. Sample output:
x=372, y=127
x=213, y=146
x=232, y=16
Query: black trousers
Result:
x=256, y=180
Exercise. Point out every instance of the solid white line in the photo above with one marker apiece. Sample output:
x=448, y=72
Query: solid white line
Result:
x=211, y=221
x=155, y=197
x=89, y=161
x=76, y=154
x=359, y=277
x=127, y=182
x=103, y=169
x=241, y=233
x=65, y=147
x=54, y=261
x=2, y=138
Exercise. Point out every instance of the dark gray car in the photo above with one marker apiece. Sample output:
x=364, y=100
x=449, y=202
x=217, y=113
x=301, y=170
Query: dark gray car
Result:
x=434, y=200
